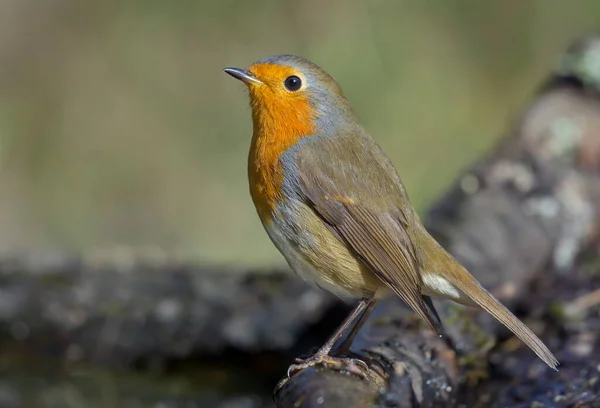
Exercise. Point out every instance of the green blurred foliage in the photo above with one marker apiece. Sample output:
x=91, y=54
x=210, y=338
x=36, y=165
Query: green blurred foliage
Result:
x=118, y=127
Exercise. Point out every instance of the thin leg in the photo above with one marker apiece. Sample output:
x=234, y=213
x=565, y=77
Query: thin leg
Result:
x=371, y=303
x=322, y=355
x=359, y=310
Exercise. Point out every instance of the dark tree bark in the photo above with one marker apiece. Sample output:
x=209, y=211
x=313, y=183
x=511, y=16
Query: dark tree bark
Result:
x=524, y=221
x=149, y=308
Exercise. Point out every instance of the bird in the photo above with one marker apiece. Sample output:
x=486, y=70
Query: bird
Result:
x=333, y=204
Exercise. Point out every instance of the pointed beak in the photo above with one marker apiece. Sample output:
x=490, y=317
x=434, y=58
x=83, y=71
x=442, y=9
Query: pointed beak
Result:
x=243, y=75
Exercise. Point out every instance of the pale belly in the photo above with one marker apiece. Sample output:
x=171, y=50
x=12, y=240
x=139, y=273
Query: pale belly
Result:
x=318, y=257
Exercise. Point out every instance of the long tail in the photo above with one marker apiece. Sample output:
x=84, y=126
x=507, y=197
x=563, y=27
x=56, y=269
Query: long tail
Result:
x=472, y=288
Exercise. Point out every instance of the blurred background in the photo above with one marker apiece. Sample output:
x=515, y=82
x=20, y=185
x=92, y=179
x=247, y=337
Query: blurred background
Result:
x=118, y=128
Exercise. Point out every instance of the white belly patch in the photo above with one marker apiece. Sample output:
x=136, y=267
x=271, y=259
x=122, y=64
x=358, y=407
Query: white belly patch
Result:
x=299, y=264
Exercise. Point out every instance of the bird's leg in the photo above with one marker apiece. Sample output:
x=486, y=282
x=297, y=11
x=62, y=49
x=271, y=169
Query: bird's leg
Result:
x=322, y=356
x=345, y=346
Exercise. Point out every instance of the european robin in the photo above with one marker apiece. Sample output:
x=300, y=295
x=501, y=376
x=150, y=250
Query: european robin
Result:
x=333, y=204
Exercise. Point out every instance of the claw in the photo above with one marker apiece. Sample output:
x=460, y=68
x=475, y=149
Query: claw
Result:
x=357, y=367
x=361, y=363
x=350, y=365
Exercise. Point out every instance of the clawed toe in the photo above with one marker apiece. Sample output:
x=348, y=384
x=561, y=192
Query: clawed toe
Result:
x=357, y=367
x=351, y=365
x=360, y=363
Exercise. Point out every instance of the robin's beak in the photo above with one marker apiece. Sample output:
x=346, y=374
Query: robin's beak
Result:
x=243, y=75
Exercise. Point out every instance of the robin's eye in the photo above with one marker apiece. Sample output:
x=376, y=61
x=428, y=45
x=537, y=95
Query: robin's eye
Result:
x=293, y=83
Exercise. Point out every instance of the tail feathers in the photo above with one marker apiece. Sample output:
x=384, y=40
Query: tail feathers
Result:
x=472, y=288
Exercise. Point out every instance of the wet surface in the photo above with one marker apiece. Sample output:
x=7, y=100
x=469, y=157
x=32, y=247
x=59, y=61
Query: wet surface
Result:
x=46, y=383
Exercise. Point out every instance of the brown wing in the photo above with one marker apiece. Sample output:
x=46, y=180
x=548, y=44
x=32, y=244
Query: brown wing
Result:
x=374, y=229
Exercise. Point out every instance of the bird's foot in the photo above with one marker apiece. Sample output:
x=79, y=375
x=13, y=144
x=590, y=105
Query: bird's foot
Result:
x=351, y=365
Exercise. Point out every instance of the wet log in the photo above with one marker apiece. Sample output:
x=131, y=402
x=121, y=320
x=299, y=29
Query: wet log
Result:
x=524, y=220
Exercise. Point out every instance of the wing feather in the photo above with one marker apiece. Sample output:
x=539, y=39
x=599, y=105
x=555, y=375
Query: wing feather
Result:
x=377, y=237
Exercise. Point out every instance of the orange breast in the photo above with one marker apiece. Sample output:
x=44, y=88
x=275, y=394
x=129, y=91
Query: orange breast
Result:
x=280, y=119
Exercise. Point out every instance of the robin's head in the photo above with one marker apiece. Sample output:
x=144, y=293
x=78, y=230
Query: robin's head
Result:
x=293, y=94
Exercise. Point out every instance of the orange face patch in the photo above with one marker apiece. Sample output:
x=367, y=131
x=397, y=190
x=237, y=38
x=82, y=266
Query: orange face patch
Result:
x=280, y=119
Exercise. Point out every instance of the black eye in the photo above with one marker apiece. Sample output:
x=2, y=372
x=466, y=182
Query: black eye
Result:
x=293, y=83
